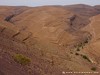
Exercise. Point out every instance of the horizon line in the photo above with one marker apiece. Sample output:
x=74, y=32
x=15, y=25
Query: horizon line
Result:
x=46, y=5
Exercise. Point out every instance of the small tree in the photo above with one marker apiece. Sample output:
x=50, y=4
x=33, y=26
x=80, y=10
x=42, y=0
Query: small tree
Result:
x=76, y=53
x=93, y=68
x=85, y=57
x=78, y=49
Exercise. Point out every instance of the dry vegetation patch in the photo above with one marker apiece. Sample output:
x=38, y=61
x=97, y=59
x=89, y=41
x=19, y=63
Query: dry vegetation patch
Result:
x=22, y=59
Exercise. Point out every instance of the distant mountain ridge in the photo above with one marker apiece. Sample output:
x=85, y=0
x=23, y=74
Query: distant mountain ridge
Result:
x=84, y=10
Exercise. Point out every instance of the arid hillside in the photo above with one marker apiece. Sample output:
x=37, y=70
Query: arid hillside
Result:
x=49, y=40
x=94, y=46
x=84, y=10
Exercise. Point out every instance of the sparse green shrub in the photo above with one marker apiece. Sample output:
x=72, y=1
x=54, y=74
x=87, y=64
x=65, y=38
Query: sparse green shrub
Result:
x=71, y=52
x=85, y=57
x=93, y=68
x=76, y=53
x=21, y=59
x=78, y=49
x=80, y=45
x=86, y=41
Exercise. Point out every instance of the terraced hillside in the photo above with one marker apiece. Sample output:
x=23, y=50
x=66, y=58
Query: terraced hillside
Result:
x=47, y=40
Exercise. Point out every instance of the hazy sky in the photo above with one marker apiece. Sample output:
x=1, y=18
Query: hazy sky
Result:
x=47, y=2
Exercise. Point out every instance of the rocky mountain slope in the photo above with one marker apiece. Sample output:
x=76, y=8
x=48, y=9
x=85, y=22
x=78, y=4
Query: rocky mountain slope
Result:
x=84, y=10
x=49, y=40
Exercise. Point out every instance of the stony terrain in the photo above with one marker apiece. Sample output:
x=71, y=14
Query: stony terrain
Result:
x=53, y=38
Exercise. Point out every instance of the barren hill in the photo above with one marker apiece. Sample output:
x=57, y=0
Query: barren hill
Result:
x=52, y=39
